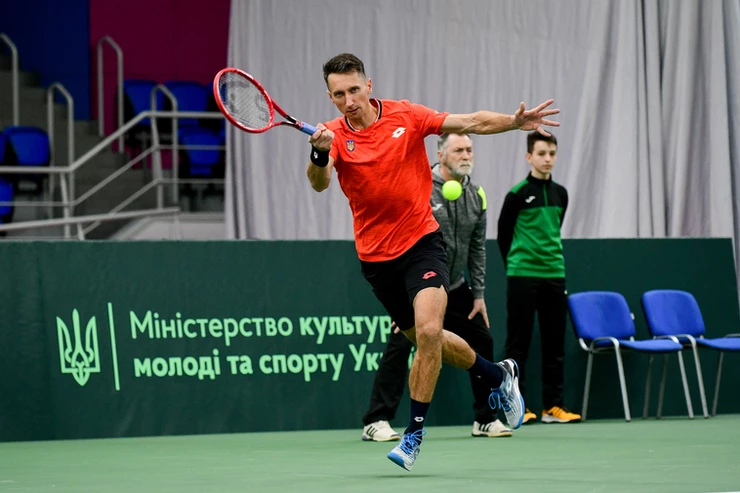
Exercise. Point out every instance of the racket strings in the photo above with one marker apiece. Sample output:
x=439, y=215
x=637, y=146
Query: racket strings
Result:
x=244, y=101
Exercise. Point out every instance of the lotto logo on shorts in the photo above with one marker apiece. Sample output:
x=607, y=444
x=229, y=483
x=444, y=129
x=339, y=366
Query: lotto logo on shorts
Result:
x=429, y=275
x=350, y=145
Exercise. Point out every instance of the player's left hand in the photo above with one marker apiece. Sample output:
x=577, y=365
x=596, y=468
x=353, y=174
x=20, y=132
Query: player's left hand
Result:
x=533, y=119
x=479, y=306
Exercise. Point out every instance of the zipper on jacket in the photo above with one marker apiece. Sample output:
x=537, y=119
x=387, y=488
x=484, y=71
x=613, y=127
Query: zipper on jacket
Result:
x=454, y=236
x=544, y=189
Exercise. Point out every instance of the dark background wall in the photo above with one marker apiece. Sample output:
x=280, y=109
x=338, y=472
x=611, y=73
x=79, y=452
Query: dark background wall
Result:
x=52, y=38
x=161, y=40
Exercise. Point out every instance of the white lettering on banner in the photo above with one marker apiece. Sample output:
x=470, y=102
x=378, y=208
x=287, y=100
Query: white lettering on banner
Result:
x=285, y=326
x=337, y=364
x=321, y=328
x=142, y=367
x=154, y=327
x=202, y=366
x=357, y=355
x=385, y=328
x=372, y=327
x=372, y=361
x=347, y=326
x=308, y=364
x=305, y=324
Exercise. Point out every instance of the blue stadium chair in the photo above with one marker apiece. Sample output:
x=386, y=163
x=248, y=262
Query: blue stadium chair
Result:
x=603, y=323
x=7, y=187
x=672, y=313
x=190, y=96
x=137, y=98
x=201, y=163
x=7, y=193
x=27, y=146
x=3, y=141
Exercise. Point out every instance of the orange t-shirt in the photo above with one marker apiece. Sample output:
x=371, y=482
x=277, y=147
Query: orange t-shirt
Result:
x=384, y=172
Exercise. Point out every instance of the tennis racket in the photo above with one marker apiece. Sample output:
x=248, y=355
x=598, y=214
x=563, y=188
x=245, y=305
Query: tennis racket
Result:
x=246, y=104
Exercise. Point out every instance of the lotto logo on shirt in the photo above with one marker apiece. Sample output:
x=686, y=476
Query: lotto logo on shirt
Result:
x=350, y=145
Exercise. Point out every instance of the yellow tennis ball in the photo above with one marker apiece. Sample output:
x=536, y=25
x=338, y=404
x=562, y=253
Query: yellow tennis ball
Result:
x=452, y=190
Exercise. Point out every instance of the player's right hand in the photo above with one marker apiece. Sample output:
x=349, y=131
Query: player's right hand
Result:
x=322, y=138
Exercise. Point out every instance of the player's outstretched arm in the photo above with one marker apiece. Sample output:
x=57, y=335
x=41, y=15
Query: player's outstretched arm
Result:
x=490, y=122
x=320, y=163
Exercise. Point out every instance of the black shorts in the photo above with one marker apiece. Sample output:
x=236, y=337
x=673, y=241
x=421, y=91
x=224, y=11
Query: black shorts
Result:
x=397, y=282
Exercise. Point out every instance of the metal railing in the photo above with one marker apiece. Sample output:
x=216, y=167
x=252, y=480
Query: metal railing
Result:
x=14, y=74
x=79, y=220
x=156, y=141
x=119, y=84
x=67, y=174
x=57, y=86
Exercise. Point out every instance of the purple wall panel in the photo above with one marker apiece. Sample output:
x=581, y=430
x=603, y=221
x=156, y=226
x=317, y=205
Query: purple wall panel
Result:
x=161, y=40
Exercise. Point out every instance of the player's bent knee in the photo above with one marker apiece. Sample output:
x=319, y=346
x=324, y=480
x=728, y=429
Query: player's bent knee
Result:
x=429, y=336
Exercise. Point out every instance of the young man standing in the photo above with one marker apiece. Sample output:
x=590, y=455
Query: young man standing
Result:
x=529, y=239
x=377, y=148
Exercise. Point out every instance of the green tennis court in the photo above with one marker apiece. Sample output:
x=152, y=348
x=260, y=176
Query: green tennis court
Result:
x=671, y=455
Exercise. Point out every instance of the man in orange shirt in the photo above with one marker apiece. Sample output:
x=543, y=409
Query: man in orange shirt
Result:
x=377, y=148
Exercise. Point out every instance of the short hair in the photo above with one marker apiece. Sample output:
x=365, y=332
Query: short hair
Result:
x=345, y=63
x=533, y=137
x=442, y=141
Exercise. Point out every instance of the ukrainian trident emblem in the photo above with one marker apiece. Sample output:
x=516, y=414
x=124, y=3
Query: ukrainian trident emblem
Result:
x=350, y=145
x=78, y=357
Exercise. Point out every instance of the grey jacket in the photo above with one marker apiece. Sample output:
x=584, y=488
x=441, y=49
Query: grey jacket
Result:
x=463, y=226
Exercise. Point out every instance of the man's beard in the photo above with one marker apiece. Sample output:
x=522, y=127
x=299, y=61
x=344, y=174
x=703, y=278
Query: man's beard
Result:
x=460, y=172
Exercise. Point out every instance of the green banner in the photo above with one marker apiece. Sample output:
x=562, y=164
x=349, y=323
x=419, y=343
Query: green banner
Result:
x=152, y=338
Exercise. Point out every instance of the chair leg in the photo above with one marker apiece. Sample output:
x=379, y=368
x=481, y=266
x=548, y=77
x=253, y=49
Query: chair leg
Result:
x=623, y=385
x=661, y=393
x=700, y=378
x=647, y=388
x=589, y=367
x=716, y=385
x=685, y=382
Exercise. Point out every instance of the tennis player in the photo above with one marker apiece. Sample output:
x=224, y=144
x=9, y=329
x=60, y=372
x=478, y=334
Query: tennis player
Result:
x=377, y=148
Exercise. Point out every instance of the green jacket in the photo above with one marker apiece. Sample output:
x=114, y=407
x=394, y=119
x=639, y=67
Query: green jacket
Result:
x=529, y=229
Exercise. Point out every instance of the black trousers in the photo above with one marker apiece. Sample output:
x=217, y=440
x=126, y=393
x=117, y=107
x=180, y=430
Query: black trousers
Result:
x=526, y=296
x=390, y=378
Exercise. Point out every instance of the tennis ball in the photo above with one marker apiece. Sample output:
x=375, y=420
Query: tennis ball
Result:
x=452, y=190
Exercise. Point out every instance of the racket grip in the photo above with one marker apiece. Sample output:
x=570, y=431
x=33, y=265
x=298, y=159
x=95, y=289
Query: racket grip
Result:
x=307, y=129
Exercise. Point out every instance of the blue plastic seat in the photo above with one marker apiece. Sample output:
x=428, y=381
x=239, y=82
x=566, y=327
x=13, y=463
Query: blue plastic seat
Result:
x=7, y=194
x=3, y=141
x=673, y=313
x=27, y=146
x=201, y=163
x=604, y=323
x=190, y=96
x=137, y=96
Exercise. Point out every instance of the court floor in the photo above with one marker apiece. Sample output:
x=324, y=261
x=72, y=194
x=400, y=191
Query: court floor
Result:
x=669, y=455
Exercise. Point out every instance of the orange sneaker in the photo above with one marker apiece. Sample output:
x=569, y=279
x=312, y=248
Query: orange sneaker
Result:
x=529, y=417
x=557, y=414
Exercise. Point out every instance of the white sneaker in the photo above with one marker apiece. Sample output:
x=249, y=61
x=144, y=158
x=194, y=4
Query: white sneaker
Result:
x=494, y=429
x=380, y=431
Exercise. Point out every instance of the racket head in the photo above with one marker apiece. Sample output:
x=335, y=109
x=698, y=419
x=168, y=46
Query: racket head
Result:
x=243, y=101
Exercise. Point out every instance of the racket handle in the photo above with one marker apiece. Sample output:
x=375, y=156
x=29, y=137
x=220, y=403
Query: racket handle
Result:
x=307, y=129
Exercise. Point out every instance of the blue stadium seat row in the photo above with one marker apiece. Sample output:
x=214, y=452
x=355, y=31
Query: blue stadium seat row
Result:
x=190, y=96
x=20, y=146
